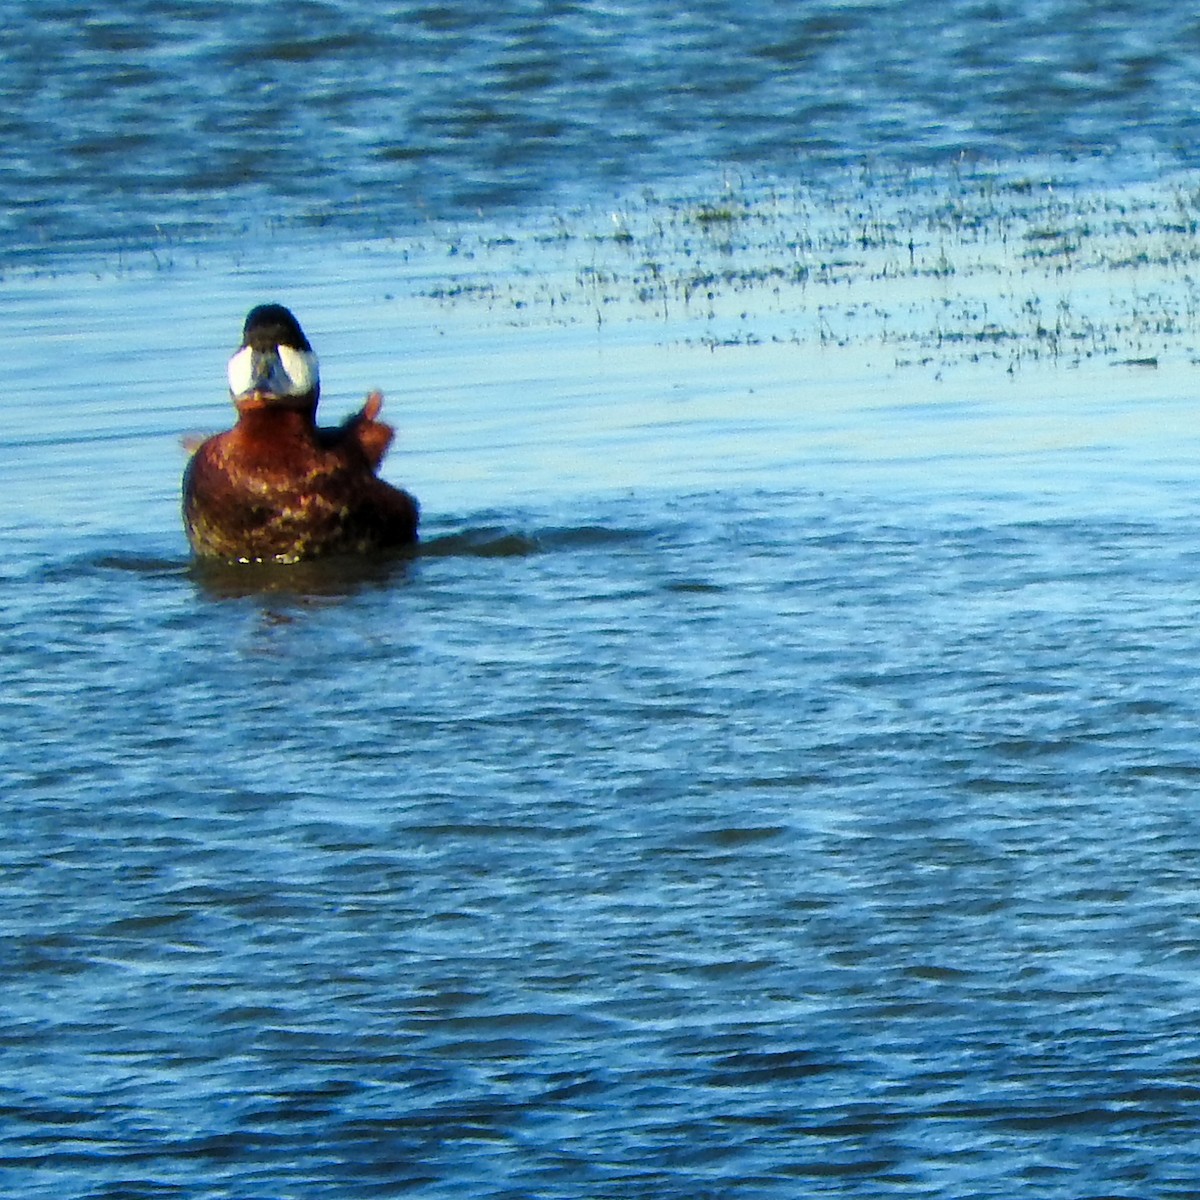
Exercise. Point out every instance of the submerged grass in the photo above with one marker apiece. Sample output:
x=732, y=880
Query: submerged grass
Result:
x=992, y=265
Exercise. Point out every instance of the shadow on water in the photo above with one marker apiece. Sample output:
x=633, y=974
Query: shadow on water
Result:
x=327, y=579
x=342, y=577
x=339, y=578
x=496, y=541
x=486, y=541
x=141, y=564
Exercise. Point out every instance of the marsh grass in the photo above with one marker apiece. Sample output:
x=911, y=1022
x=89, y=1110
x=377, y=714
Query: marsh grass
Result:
x=993, y=266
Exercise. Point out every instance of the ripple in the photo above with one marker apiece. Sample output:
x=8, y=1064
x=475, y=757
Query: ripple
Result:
x=140, y=129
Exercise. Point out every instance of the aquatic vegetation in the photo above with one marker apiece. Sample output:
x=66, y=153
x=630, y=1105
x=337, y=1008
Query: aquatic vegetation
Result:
x=986, y=265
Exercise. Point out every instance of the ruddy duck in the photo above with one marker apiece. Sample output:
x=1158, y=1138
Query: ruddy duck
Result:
x=276, y=487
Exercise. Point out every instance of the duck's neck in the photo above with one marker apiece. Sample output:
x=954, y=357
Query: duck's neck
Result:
x=275, y=435
x=278, y=420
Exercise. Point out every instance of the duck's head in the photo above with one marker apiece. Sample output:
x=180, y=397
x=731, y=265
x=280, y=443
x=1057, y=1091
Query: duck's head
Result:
x=275, y=366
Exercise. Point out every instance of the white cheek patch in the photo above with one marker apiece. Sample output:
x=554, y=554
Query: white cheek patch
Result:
x=301, y=369
x=283, y=371
x=240, y=372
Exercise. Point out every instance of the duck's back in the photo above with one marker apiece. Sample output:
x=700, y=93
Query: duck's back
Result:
x=272, y=489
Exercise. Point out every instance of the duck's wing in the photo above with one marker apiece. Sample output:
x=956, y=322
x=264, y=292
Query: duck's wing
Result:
x=372, y=435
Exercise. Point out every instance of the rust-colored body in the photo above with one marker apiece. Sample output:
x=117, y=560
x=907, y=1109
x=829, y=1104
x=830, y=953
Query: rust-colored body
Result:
x=278, y=488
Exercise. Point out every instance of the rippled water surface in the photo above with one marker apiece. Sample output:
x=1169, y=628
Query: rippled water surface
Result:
x=775, y=775
x=146, y=120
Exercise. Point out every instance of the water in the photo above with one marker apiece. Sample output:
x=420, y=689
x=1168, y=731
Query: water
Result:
x=164, y=119
x=775, y=776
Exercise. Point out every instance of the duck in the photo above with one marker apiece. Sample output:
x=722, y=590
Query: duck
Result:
x=279, y=488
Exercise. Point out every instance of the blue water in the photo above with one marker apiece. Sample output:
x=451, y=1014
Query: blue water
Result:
x=148, y=121
x=775, y=776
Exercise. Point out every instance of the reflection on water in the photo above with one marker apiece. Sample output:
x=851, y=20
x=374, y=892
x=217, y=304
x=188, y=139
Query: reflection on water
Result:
x=329, y=578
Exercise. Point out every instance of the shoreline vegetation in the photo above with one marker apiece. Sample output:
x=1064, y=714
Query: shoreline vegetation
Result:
x=992, y=266
x=1002, y=265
